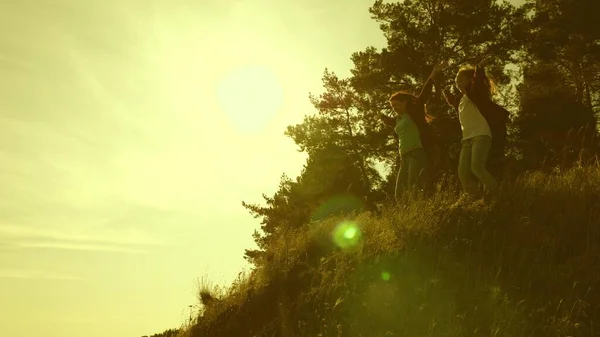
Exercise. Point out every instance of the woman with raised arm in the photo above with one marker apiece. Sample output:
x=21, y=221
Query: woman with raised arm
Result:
x=483, y=125
x=416, y=138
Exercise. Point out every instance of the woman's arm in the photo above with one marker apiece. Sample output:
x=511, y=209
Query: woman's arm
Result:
x=450, y=98
x=426, y=90
x=478, y=89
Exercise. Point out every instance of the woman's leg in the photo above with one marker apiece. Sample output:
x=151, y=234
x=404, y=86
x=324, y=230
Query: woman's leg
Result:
x=479, y=156
x=402, y=177
x=467, y=179
x=417, y=168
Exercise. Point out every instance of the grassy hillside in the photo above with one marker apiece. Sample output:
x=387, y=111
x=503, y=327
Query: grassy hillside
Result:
x=526, y=263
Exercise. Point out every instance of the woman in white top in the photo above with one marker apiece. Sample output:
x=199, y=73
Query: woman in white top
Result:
x=475, y=88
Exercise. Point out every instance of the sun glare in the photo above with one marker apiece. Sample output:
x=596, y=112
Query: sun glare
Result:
x=250, y=96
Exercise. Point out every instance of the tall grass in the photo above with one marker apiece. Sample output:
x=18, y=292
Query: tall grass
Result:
x=524, y=263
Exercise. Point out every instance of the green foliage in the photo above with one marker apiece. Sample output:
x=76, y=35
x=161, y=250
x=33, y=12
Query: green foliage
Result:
x=554, y=128
x=421, y=33
x=560, y=92
x=565, y=37
x=329, y=174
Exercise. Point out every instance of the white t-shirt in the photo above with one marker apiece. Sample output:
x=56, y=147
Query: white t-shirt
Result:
x=472, y=122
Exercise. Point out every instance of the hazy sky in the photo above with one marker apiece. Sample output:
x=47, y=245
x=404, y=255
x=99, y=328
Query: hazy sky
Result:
x=130, y=132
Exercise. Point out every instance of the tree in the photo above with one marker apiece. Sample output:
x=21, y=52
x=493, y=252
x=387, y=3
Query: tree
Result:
x=330, y=184
x=166, y=333
x=561, y=87
x=338, y=125
x=566, y=35
x=419, y=34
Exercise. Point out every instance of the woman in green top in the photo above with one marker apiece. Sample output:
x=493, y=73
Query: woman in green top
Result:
x=415, y=137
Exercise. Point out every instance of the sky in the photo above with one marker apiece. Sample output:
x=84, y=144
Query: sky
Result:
x=130, y=133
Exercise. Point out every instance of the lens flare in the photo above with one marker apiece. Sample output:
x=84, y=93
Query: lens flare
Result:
x=350, y=233
x=385, y=276
x=346, y=235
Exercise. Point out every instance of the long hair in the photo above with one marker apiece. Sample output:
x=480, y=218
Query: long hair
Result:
x=418, y=112
x=489, y=86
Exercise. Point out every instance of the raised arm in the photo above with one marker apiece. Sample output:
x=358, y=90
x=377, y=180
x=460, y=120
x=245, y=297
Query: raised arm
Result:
x=478, y=86
x=451, y=98
x=426, y=90
x=479, y=76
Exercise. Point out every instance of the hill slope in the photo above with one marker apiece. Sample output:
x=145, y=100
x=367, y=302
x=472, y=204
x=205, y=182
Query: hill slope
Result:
x=523, y=264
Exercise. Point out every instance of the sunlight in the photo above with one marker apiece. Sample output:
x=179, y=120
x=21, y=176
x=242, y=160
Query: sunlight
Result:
x=250, y=96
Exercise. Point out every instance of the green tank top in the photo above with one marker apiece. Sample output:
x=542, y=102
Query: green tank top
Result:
x=408, y=133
